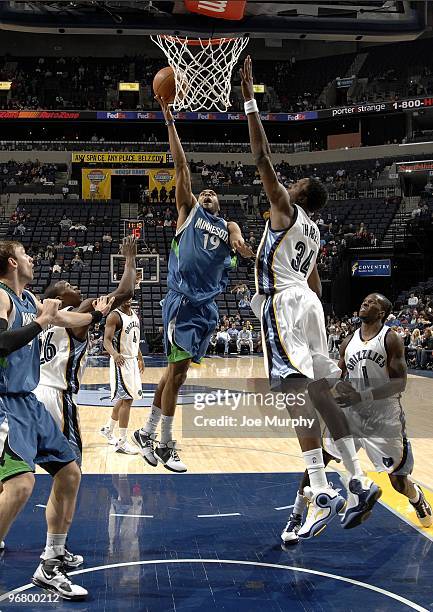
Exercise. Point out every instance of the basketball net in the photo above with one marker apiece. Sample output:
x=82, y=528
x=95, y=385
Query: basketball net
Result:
x=202, y=69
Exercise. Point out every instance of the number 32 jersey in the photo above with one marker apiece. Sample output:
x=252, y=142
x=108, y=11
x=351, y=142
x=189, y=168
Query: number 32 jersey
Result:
x=63, y=358
x=287, y=257
x=200, y=257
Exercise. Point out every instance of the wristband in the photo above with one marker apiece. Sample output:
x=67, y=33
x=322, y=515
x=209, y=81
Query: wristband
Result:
x=97, y=316
x=169, y=122
x=250, y=106
x=366, y=395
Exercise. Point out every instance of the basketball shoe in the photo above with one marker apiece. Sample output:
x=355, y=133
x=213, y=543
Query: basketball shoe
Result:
x=167, y=455
x=324, y=505
x=105, y=431
x=365, y=494
x=289, y=534
x=70, y=561
x=123, y=447
x=422, y=508
x=51, y=575
x=145, y=443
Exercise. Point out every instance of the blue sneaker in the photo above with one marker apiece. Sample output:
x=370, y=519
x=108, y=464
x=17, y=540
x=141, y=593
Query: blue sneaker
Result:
x=324, y=506
x=365, y=494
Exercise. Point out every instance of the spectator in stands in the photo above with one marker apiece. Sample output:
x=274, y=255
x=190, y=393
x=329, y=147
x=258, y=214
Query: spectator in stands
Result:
x=233, y=332
x=71, y=242
x=163, y=195
x=65, y=192
x=57, y=268
x=20, y=229
x=79, y=227
x=413, y=300
x=223, y=339
x=77, y=263
x=424, y=353
x=172, y=195
x=107, y=237
x=414, y=345
x=245, y=338
x=154, y=196
x=65, y=222
x=97, y=248
x=355, y=320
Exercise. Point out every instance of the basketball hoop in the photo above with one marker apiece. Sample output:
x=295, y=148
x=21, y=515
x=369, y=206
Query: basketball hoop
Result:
x=202, y=68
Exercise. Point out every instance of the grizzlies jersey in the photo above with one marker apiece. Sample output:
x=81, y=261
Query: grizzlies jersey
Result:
x=126, y=340
x=62, y=359
x=19, y=371
x=200, y=257
x=287, y=257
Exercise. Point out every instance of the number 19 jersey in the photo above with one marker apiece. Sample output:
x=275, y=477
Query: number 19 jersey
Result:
x=287, y=257
x=200, y=257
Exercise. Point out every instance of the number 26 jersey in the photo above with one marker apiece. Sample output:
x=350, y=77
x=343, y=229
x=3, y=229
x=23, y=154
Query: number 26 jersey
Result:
x=286, y=257
x=63, y=358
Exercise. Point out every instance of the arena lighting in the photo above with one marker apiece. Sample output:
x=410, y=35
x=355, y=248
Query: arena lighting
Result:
x=129, y=86
x=5, y=85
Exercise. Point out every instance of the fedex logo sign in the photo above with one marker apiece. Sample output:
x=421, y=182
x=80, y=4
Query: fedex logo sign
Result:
x=233, y=10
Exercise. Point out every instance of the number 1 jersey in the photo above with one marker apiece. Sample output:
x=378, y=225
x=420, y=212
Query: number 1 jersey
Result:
x=200, y=257
x=287, y=257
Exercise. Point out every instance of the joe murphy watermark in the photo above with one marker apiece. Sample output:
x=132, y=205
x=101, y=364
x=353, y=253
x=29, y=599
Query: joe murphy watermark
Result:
x=232, y=413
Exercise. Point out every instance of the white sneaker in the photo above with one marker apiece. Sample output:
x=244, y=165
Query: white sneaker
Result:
x=51, y=575
x=2, y=545
x=123, y=447
x=167, y=455
x=324, y=506
x=105, y=431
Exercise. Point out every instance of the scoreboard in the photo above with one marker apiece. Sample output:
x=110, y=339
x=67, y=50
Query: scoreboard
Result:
x=134, y=227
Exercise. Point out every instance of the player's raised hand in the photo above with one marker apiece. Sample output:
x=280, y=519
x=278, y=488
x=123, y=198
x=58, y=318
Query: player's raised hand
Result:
x=103, y=304
x=129, y=247
x=48, y=312
x=165, y=108
x=247, y=79
x=239, y=245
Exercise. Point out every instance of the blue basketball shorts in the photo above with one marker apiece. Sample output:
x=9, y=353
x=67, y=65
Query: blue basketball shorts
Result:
x=187, y=328
x=28, y=436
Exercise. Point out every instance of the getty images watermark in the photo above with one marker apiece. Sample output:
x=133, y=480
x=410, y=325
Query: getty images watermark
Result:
x=241, y=413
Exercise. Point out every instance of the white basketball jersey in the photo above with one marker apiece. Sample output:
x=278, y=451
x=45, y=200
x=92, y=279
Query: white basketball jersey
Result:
x=366, y=360
x=63, y=358
x=126, y=340
x=287, y=257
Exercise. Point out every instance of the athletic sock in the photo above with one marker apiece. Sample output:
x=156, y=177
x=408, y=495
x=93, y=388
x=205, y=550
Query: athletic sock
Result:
x=316, y=468
x=122, y=434
x=153, y=420
x=111, y=424
x=55, y=546
x=166, y=428
x=299, y=505
x=347, y=450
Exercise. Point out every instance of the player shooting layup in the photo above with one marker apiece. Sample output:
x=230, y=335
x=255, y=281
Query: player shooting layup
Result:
x=197, y=273
x=293, y=325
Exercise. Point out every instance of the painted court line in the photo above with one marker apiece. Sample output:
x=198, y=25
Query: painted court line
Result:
x=40, y=506
x=218, y=515
x=303, y=570
x=133, y=515
x=284, y=507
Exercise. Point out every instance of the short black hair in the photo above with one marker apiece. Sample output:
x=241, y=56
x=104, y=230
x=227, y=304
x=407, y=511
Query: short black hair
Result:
x=386, y=305
x=51, y=291
x=316, y=195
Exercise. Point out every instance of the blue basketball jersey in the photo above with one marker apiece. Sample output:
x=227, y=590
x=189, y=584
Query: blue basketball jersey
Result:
x=200, y=257
x=19, y=371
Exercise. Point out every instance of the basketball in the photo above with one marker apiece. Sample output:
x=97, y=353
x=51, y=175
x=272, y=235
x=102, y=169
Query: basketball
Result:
x=164, y=84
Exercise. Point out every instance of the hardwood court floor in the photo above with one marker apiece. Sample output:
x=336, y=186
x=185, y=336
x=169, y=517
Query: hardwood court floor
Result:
x=261, y=452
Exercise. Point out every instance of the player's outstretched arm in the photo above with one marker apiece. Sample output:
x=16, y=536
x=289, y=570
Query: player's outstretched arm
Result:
x=277, y=194
x=126, y=287
x=185, y=199
x=111, y=326
x=77, y=320
x=237, y=241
